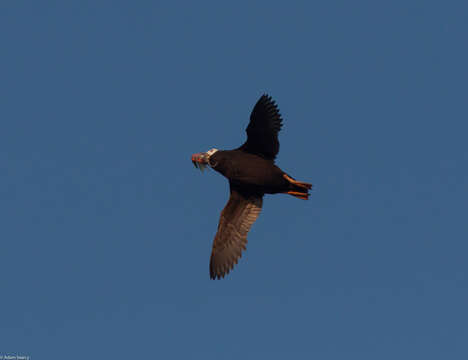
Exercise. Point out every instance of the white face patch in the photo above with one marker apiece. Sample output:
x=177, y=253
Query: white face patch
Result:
x=211, y=151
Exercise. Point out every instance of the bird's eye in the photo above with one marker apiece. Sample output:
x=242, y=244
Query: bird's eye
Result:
x=212, y=162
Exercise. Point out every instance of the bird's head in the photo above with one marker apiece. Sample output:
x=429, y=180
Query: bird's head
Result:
x=202, y=160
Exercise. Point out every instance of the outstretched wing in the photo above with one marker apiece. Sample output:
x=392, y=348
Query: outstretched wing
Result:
x=262, y=131
x=237, y=217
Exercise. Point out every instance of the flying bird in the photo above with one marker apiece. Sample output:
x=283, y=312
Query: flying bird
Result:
x=251, y=172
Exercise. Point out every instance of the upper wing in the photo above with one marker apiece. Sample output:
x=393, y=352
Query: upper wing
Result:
x=237, y=217
x=262, y=131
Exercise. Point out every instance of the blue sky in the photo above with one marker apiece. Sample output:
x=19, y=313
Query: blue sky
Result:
x=106, y=227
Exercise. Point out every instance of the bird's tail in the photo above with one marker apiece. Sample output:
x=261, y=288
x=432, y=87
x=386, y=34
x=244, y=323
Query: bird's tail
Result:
x=298, y=189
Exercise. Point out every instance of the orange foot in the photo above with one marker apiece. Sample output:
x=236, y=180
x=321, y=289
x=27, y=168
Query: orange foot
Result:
x=303, y=196
x=298, y=183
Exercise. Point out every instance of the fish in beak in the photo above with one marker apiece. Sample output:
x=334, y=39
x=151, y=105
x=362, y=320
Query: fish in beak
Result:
x=200, y=160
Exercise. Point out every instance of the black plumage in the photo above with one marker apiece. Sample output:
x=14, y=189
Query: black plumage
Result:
x=251, y=172
x=262, y=131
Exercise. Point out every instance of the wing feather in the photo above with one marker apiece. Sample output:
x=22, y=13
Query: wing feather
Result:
x=230, y=240
x=262, y=131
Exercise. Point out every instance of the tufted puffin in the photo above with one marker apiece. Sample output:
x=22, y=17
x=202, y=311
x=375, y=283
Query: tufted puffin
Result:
x=252, y=173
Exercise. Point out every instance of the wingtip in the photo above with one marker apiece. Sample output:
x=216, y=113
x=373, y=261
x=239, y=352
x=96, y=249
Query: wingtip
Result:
x=218, y=276
x=218, y=273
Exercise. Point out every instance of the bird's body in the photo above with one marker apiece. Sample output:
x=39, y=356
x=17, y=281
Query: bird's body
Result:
x=251, y=172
